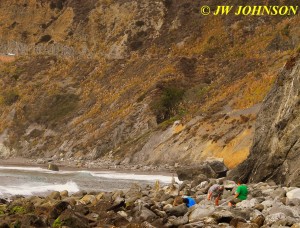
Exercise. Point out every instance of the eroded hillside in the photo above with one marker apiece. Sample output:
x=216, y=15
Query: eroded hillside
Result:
x=112, y=79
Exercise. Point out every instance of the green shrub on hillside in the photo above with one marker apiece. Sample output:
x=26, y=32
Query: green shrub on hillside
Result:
x=166, y=105
x=18, y=210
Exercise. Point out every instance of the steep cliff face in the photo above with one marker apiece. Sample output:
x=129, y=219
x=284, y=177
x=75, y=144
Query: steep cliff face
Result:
x=275, y=154
x=91, y=28
x=110, y=79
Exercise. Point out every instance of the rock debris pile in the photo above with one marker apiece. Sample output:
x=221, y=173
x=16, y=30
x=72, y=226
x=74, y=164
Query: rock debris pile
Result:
x=268, y=205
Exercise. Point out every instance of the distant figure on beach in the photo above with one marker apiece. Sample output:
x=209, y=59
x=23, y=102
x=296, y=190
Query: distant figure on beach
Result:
x=241, y=194
x=187, y=200
x=215, y=192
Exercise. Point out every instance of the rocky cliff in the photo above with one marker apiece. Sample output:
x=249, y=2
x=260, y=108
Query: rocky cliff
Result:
x=135, y=81
x=275, y=151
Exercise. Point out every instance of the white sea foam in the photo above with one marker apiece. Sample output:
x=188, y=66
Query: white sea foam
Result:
x=37, y=188
x=124, y=176
x=138, y=177
x=36, y=169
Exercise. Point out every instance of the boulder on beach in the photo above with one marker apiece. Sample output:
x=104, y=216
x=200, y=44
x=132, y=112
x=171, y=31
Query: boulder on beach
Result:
x=57, y=209
x=200, y=212
x=228, y=184
x=146, y=215
x=53, y=167
x=212, y=168
x=72, y=218
x=177, y=211
x=294, y=194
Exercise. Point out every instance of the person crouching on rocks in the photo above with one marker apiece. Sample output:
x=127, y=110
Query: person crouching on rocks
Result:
x=241, y=194
x=188, y=201
x=215, y=192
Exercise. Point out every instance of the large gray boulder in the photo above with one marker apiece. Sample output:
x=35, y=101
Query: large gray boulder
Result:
x=283, y=209
x=200, y=212
x=247, y=203
x=275, y=153
x=212, y=168
x=177, y=211
x=222, y=216
x=146, y=215
x=271, y=219
x=178, y=221
x=294, y=194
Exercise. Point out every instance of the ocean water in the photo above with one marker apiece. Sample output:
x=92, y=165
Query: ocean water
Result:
x=28, y=181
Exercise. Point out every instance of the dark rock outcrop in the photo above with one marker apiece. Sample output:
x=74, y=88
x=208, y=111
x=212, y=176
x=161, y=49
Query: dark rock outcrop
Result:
x=212, y=168
x=275, y=151
x=177, y=211
x=73, y=219
x=58, y=208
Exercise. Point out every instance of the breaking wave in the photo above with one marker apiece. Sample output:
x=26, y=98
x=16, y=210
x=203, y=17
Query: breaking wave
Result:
x=37, y=188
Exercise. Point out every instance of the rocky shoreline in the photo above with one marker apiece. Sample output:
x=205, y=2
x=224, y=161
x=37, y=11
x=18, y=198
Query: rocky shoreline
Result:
x=268, y=205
